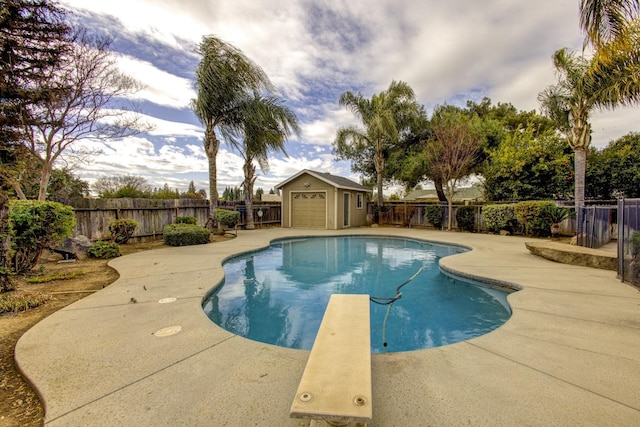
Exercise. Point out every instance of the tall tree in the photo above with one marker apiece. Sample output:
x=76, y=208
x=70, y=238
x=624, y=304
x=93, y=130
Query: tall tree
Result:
x=605, y=21
x=85, y=110
x=527, y=165
x=452, y=150
x=224, y=77
x=615, y=169
x=266, y=125
x=407, y=163
x=384, y=117
x=583, y=85
x=33, y=38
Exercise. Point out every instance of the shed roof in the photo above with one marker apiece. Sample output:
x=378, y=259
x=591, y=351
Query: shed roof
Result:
x=333, y=180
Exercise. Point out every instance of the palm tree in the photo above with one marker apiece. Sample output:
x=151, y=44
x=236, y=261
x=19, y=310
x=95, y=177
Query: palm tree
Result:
x=584, y=84
x=384, y=116
x=265, y=124
x=604, y=21
x=224, y=77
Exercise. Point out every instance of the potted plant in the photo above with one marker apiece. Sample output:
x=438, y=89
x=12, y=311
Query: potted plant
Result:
x=555, y=215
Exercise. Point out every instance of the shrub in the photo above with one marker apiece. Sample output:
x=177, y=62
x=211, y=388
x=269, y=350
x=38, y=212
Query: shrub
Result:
x=226, y=217
x=186, y=220
x=499, y=217
x=433, y=215
x=466, y=218
x=104, y=250
x=185, y=235
x=533, y=215
x=122, y=229
x=36, y=225
x=635, y=243
x=13, y=302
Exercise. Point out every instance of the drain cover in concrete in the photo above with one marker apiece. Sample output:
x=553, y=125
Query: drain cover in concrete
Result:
x=166, y=332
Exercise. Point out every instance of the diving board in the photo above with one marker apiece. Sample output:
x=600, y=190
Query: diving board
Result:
x=336, y=383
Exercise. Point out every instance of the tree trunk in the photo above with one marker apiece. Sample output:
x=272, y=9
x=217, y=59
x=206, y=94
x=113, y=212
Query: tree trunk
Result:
x=379, y=163
x=211, y=146
x=6, y=283
x=437, y=182
x=580, y=140
x=450, y=192
x=44, y=182
x=249, y=179
x=580, y=166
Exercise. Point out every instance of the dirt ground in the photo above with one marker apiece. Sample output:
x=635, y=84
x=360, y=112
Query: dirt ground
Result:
x=19, y=403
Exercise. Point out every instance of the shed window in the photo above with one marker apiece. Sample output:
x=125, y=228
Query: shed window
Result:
x=359, y=201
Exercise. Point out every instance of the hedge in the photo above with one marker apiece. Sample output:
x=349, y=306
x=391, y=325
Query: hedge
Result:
x=533, y=215
x=499, y=217
x=185, y=235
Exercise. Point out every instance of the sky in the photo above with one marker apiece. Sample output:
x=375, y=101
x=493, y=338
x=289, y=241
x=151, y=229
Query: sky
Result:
x=448, y=51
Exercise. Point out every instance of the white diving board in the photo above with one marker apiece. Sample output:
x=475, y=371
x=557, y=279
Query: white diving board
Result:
x=336, y=383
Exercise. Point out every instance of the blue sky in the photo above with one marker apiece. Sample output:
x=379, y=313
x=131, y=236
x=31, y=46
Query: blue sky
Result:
x=448, y=51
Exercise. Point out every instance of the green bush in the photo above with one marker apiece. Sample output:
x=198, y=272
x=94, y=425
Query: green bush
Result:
x=104, y=250
x=185, y=235
x=35, y=225
x=433, y=215
x=499, y=217
x=122, y=229
x=186, y=220
x=635, y=243
x=226, y=217
x=533, y=215
x=466, y=218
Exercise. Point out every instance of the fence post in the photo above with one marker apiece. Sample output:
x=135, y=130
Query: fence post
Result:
x=621, y=234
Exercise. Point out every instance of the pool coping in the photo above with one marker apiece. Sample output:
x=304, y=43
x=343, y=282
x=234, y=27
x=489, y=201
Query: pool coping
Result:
x=570, y=354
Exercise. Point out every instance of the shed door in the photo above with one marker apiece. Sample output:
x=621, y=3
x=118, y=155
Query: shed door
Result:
x=346, y=211
x=309, y=209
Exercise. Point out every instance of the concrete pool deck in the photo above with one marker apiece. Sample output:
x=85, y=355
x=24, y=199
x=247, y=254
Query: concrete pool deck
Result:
x=570, y=354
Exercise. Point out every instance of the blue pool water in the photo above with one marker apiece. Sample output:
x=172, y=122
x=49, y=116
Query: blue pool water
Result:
x=278, y=295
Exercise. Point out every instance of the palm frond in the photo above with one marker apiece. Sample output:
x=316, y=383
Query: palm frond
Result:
x=604, y=20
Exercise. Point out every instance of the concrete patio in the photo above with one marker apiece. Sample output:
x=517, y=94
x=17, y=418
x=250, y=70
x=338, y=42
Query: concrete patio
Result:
x=570, y=354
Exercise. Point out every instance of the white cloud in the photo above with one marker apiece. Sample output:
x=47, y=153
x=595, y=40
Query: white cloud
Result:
x=322, y=131
x=610, y=125
x=160, y=87
x=169, y=128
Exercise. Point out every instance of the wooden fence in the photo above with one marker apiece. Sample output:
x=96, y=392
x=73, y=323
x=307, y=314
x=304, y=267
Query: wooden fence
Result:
x=94, y=215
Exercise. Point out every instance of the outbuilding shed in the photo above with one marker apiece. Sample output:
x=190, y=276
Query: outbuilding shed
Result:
x=320, y=200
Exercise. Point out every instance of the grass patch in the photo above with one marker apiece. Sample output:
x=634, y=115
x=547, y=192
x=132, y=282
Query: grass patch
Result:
x=63, y=275
x=13, y=302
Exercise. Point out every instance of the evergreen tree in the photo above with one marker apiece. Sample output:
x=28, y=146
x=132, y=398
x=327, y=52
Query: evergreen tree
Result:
x=33, y=36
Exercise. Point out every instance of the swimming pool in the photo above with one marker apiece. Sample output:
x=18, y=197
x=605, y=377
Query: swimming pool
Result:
x=277, y=295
